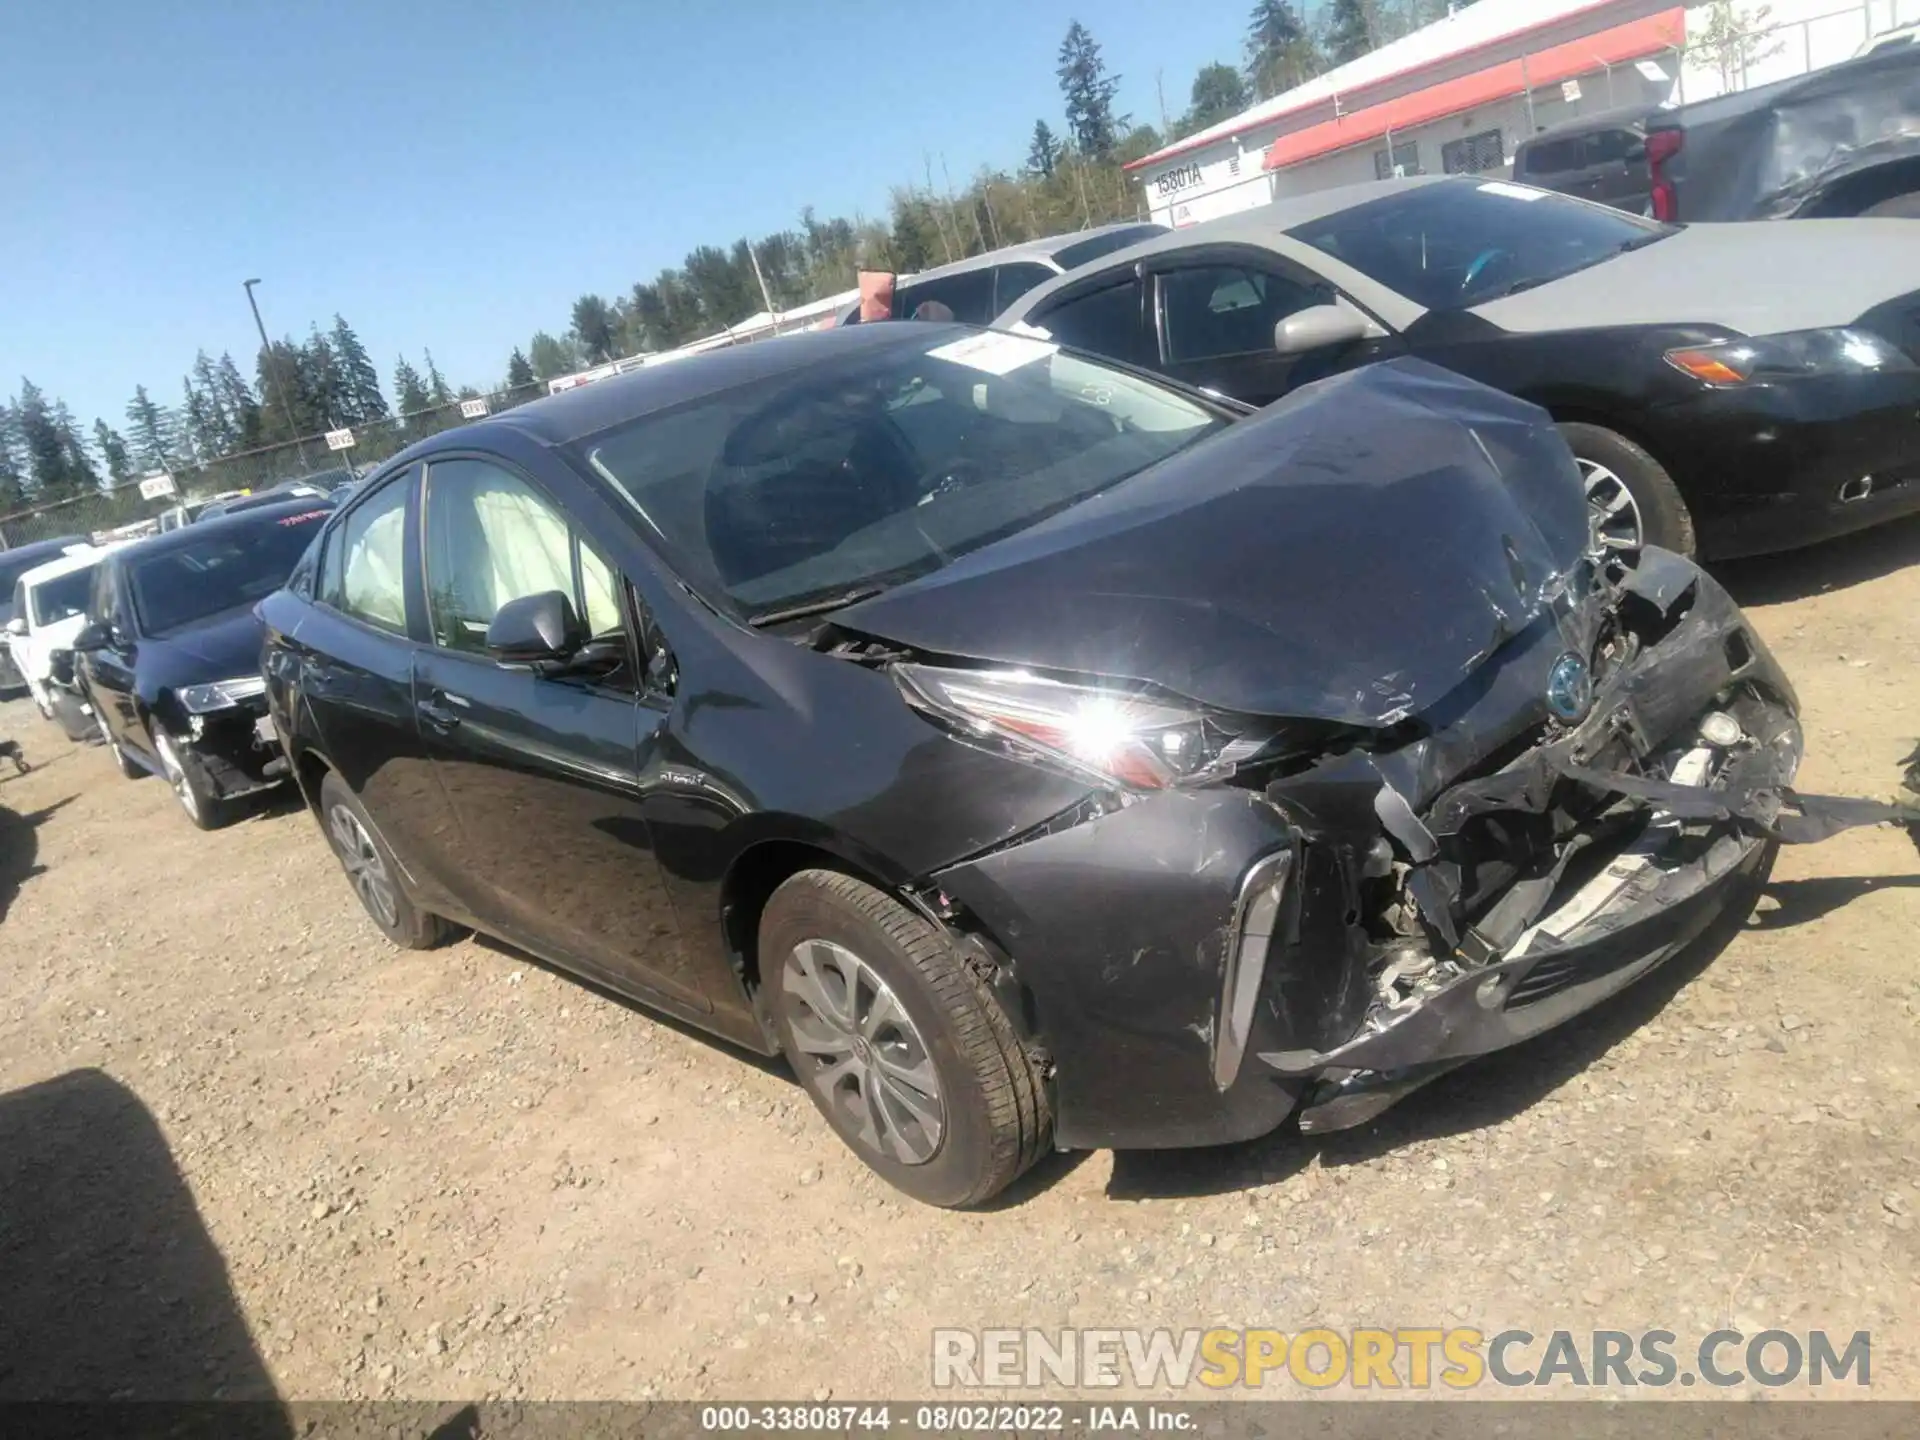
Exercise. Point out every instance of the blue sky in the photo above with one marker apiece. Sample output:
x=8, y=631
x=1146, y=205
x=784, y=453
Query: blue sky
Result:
x=453, y=175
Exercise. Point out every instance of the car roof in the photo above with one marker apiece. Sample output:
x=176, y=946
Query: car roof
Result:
x=63, y=565
x=589, y=409
x=41, y=547
x=1265, y=226
x=1599, y=120
x=192, y=534
x=1043, y=249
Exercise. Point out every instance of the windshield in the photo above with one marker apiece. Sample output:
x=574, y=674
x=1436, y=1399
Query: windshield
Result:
x=218, y=569
x=884, y=463
x=1458, y=243
x=62, y=597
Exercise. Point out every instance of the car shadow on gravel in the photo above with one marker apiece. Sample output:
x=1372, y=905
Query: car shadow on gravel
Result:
x=1798, y=901
x=20, y=849
x=114, y=1288
x=1833, y=565
x=1482, y=1093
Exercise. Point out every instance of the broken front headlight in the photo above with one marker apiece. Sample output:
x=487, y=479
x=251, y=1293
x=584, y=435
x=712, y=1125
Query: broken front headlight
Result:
x=1106, y=735
x=220, y=694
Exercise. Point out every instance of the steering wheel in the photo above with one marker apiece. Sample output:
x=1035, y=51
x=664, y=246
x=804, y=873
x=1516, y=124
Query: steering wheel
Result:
x=955, y=473
x=1481, y=262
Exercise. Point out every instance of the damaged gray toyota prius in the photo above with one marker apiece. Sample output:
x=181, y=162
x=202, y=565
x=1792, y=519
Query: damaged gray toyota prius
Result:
x=1031, y=751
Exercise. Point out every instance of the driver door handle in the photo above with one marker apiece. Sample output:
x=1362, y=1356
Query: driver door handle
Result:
x=438, y=717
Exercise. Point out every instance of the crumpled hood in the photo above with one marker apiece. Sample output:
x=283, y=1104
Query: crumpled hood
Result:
x=1348, y=554
x=224, y=647
x=1756, y=277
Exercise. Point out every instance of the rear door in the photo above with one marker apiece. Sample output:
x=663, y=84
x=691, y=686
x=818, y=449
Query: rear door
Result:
x=1616, y=170
x=542, y=771
x=1556, y=164
x=355, y=674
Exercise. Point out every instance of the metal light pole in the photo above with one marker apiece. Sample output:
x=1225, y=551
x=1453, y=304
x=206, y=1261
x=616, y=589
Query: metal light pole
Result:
x=273, y=369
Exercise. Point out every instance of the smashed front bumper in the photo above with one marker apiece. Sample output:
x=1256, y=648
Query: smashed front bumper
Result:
x=1203, y=963
x=236, y=748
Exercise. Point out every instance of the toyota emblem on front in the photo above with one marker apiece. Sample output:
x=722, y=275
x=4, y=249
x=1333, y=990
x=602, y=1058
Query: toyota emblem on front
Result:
x=1569, y=689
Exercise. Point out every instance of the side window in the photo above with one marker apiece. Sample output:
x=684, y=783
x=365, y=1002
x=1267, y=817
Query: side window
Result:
x=1608, y=147
x=1214, y=310
x=1554, y=157
x=1106, y=322
x=1013, y=281
x=968, y=296
x=491, y=537
x=365, y=563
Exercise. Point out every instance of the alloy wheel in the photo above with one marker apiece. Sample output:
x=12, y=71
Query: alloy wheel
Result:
x=176, y=774
x=1614, y=513
x=861, y=1053
x=361, y=859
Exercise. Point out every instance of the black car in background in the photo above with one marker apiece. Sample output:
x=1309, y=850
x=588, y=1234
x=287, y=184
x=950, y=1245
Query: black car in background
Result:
x=1032, y=751
x=14, y=563
x=1601, y=157
x=1726, y=389
x=170, y=656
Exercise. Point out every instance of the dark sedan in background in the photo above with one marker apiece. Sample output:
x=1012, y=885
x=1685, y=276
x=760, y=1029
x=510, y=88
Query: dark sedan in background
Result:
x=170, y=656
x=1032, y=751
x=1727, y=389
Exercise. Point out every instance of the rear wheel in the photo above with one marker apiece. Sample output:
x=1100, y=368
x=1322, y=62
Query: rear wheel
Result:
x=899, y=1044
x=1632, y=499
x=371, y=870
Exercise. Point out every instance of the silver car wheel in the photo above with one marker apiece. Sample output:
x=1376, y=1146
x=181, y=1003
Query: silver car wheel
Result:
x=1614, y=513
x=861, y=1053
x=176, y=773
x=360, y=857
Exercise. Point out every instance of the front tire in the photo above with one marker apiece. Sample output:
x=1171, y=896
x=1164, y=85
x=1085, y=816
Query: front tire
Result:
x=899, y=1044
x=1634, y=500
x=187, y=778
x=371, y=870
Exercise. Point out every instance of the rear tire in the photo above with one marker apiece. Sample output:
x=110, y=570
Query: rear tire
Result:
x=898, y=1043
x=1610, y=464
x=370, y=868
x=1896, y=207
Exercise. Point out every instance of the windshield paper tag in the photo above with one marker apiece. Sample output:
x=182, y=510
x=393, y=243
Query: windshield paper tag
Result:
x=995, y=354
x=1512, y=192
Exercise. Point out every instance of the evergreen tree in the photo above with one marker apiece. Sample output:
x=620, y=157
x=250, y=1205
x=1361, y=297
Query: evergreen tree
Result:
x=593, y=329
x=1088, y=91
x=152, y=432
x=1280, y=51
x=287, y=411
x=1351, y=29
x=80, y=473
x=13, y=489
x=360, y=380
x=519, y=372
x=199, y=423
x=237, y=403
x=222, y=434
x=550, y=357
x=409, y=390
x=113, y=452
x=1219, y=93
x=328, y=390
x=1044, y=153
x=437, y=389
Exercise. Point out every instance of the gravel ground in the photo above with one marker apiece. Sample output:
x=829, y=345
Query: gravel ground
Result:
x=287, y=1159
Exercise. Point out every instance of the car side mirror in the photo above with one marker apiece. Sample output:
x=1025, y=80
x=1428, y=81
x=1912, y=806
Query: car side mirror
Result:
x=16, y=626
x=1318, y=327
x=536, y=629
x=94, y=635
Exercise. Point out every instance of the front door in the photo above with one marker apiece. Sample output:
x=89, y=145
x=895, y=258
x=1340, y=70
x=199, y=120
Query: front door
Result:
x=541, y=770
x=109, y=669
x=1216, y=321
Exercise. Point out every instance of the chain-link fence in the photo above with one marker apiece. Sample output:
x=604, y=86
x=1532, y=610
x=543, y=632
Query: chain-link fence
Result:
x=122, y=509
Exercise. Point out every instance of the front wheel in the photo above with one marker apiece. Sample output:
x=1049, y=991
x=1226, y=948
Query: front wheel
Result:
x=898, y=1042
x=371, y=869
x=187, y=778
x=1630, y=497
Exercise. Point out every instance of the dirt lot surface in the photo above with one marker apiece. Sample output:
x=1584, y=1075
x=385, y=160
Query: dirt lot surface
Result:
x=323, y=1168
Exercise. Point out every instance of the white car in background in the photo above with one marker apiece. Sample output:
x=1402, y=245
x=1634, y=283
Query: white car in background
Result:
x=49, y=609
